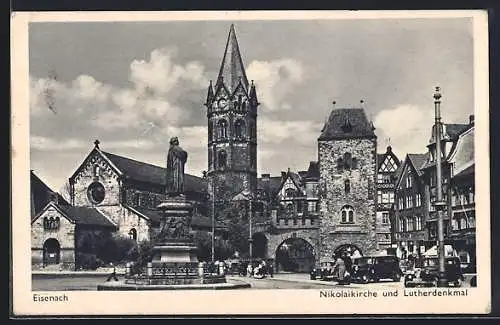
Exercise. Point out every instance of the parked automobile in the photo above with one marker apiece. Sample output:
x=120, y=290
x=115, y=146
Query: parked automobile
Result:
x=375, y=268
x=428, y=273
x=326, y=272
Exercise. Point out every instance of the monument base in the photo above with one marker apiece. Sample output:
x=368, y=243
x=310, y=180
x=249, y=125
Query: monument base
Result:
x=174, y=252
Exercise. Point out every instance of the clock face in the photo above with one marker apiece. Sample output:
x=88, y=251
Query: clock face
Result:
x=96, y=192
x=222, y=103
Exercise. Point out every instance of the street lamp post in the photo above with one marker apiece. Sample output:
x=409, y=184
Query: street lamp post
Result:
x=213, y=219
x=439, y=203
x=250, y=240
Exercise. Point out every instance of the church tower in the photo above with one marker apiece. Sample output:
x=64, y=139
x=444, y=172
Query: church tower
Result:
x=232, y=127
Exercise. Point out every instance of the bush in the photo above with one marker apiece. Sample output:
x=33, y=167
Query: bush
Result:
x=87, y=261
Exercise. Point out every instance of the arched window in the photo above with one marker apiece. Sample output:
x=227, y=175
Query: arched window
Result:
x=289, y=208
x=347, y=161
x=222, y=129
x=96, y=170
x=57, y=222
x=347, y=214
x=463, y=223
x=240, y=129
x=455, y=225
x=222, y=158
x=347, y=186
x=132, y=234
x=340, y=164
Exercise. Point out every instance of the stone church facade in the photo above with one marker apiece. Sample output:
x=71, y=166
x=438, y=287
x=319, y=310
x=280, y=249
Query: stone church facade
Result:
x=299, y=218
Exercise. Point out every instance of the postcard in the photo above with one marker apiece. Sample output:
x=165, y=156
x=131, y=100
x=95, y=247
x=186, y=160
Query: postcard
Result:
x=250, y=162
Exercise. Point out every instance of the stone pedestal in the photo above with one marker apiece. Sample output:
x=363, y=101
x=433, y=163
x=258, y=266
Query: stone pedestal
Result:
x=175, y=244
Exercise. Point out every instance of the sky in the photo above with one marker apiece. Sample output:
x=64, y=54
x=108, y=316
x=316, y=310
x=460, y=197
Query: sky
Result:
x=133, y=85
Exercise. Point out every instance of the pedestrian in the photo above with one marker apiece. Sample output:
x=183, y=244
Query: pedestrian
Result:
x=339, y=270
x=249, y=270
x=113, y=274
x=271, y=270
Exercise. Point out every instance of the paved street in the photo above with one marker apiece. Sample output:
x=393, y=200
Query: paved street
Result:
x=280, y=281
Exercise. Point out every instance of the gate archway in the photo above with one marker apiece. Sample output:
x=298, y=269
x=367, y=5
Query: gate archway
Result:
x=295, y=255
x=51, y=251
x=348, y=249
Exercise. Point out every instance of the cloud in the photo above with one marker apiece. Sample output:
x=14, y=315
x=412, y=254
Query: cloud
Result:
x=407, y=126
x=276, y=80
x=279, y=131
x=161, y=75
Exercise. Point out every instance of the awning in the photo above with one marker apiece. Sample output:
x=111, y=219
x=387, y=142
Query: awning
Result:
x=433, y=251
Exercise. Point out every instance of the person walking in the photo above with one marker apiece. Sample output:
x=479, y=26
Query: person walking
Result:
x=339, y=270
x=113, y=274
x=271, y=269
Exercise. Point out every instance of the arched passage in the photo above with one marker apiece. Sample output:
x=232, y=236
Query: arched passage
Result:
x=51, y=251
x=295, y=255
x=348, y=249
x=259, y=245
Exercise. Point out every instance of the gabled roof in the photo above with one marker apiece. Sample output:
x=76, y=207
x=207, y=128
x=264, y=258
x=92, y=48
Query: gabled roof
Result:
x=41, y=194
x=454, y=130
x=381, y=157
x=347, y=123
x=418, y=161
x=79, y=215
x=232, y=69
x=144, y=172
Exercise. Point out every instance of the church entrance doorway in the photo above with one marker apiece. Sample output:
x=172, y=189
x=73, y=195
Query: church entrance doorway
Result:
x=51, y=252
x=295, y=255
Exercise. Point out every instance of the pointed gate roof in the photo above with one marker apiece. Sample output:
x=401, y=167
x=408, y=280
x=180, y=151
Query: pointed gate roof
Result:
x=232, y=69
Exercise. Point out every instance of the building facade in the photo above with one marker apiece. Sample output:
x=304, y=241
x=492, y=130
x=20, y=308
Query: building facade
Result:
x=347, y=154
x=387, y=166
x=410, y=207
x=299, y=218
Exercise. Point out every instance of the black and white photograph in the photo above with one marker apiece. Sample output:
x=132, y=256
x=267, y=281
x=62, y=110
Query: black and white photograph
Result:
x=240, y=162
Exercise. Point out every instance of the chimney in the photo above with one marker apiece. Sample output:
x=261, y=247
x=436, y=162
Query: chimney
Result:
x=471, y=119
x=283, y=175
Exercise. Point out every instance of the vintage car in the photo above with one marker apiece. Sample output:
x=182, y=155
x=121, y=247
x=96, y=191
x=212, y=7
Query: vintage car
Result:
x=426, y=274
x=375, y=268
x=325, y=272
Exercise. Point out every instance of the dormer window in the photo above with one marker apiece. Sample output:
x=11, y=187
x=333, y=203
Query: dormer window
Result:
x=289, y=192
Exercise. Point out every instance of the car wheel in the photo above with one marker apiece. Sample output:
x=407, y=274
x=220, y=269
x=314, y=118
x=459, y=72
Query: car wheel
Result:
x=457, y=282
x=396, y=277
x=434, y=282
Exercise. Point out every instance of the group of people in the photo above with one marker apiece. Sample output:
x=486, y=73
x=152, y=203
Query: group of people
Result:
x=341, y=269
x=257, y=269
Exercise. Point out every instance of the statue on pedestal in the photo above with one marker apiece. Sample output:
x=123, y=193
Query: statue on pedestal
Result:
x=176, y=159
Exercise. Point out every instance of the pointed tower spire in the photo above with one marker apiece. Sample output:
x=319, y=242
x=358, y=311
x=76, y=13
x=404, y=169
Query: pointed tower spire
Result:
x=210, y=94
x=232, y=68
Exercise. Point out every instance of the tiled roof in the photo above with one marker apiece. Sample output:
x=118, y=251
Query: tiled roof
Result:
x=41, y=194
x=145, y=172
x=313, y=170
x=466, y=172
x=232, y=69
x=271, y=186
x=86, y=216
x=346, y=123
x=454, y=130
x=380, y=159
x=418, y=160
